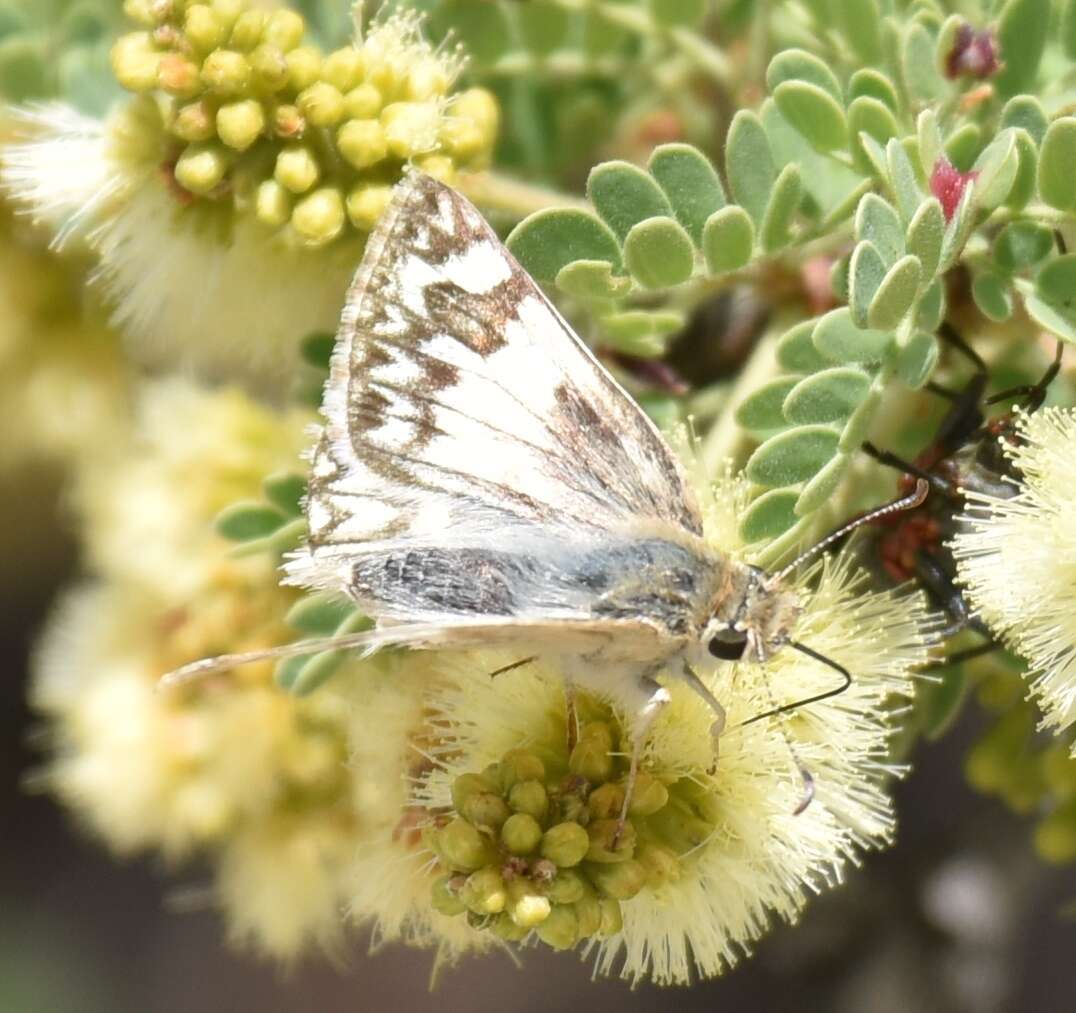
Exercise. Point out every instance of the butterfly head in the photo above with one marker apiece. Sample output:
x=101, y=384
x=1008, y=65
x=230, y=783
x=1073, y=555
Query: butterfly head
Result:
x=752, y=619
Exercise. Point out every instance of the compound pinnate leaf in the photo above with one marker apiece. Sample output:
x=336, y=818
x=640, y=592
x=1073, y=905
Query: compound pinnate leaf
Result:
x=762, y=412
x=926, y=232
x=796, y=352
x=828, y=396
x=784, y=202
x=244, y=522
x=963, y=145
x=319, y=615
x=814, y=112
x=1026, y=112
x=867, y=115
x=837, y=337
x=749, y=163
x=996, y=168
x=1023, y=186
x=917, y=359
x=641, y=333
x=896, y=294
x=691, y=184
x=728, y=239
x=865, y=273
x=931, y=309
x=799, y=65
x=793, y=456
x=921, y=77
x=548, y=240
x=902, y=179
x=1022, y=244
x=928, y=134
x=877, y=221
x=1022, y=33
x=991, y=294
x=624, y=195
x=1050, y=318
x=872, y=84
x=770, y=515
x=659, y=253
x=860, y=22
x=1057, y=180
x=1056, y=283
x=822, y=485
x=285, y=490
x=592, y=280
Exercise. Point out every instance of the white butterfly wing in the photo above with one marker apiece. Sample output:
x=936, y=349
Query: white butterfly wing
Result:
x=474, y=451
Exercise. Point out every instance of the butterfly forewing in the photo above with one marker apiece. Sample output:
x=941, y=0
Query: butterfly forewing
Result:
x=476, y=460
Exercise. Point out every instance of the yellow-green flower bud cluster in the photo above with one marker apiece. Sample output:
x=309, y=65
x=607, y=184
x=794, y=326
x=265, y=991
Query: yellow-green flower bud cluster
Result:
x=255, y=117
x=1033, y=774
x=535, y=842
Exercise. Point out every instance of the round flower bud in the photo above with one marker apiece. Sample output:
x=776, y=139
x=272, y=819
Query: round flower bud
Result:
x=520, y=765
x=606, y=802
x=362, y=102
x=284, y=29
x=288, y=122
x=201, y=167
x=239, y=124
x=444, y=896
x=135, y=62
x=194, y=122
x=602, y=834
x=469, y=130
x=566, y=844
x=649, y=795
x=426, y=79
x=462, y=847
x=506, y=929
x=466, y=785
x=141, y=11
x=484, y=809
x=269, y=68
x=410, y=127
x=521, y=833
x=297, y=169
x=319, y=217
x=526, y=908
x=621, y=881
x=484, y=893
x=178, y=76
x=661, y=863
x=247, y=31
x=203, y=29
x=561, y=929
x=321, y=104
x=226, y=72
x=567, y=887
x=228, y=11
x=529, y=797
x=590, y=759
x=588, y=912
x=343, y=68
x=304, y=65
x=479, y=106
x=439, y=166
x=272, y=204
x=366, y=203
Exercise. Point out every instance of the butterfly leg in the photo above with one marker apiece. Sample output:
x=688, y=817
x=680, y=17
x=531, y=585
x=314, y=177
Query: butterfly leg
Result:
x=698, y=686
x=653, y=697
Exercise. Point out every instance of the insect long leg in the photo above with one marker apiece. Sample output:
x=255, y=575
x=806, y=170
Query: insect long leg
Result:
x=655, y=697
x=891, y=460
x=692, y=679
x=1033, y=393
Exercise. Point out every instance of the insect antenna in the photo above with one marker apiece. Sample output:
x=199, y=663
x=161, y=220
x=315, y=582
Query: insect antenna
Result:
x=909, y=502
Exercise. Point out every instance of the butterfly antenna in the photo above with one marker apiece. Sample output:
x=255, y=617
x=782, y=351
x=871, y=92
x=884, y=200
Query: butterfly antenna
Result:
x=909, y=502
x=198, y=670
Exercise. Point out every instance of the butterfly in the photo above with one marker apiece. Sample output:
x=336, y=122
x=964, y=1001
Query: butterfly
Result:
x=480, y=480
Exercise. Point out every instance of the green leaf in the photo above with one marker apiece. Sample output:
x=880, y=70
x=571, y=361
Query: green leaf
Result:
x=902, y=179
x=799, y=65
x=319, y=615
x=784, y=201
x=814, y=112
x=1050, y=318
x=959, y=228
x=926, y=231
x=877, y=221
x=1022, y=244
x=838, y=339
x=865, y=273
x=992, y=296
x=819, y=489
x=659, y=253
x=873, y=117
x=549, y=240
x=921, y=78
x=761, y=412
x=770, y=515
x=642, y=333
x=997, y=167
x=859, y=425
x=796, y=352
x=963, y=145
x=749, y=163
x=1022, y=31
x=860, y=22
x=1057, y=180
x=691, y=184
x=896, y=294
x=793, y=456
x=931, y=146
x=1023, y=187
x=828, y=396
x=243, y=522
x=676, y=13
x=872, y=84
x=1026, y=111
x=917, y=359
x=592, y=280
x=931, y=310
x=624, y=195
x=285, y=490
x=1056, y=283
x=316, y=349
x=728, y=239
x=873, y=155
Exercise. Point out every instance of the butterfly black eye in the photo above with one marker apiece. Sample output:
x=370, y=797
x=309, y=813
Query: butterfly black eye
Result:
x=728, y=645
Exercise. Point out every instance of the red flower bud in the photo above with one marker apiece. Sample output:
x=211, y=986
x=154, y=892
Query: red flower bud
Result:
x=974, y=54
x=948, y=184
